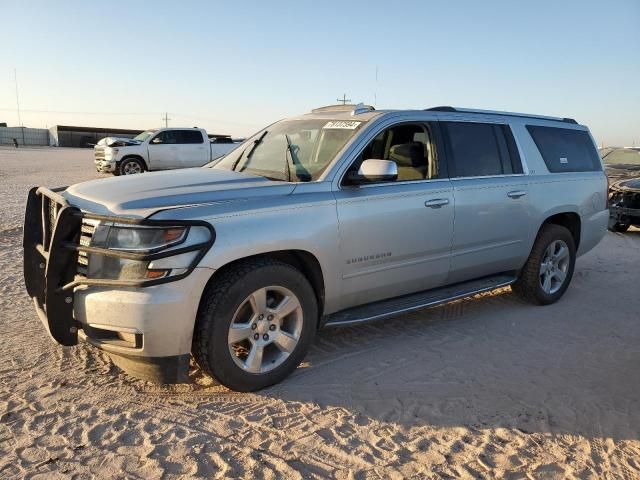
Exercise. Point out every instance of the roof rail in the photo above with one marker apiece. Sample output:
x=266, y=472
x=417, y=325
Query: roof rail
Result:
x=348, y=107
x=334, y=108
x=496, y=112
x=442, y=109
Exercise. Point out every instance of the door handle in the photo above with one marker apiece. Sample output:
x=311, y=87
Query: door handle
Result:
x=436, y=202
x=516, y=194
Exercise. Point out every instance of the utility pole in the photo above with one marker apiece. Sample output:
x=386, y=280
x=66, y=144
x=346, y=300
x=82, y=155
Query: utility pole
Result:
x=15, y=77
x=344, y=99
x=166, y=119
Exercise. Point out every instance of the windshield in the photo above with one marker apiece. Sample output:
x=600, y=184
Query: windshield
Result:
x=144, y=135
x=291, y=150
x=629, y=156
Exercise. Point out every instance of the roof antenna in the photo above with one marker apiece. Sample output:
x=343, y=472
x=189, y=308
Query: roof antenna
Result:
x=344, y=99
x=375, y=93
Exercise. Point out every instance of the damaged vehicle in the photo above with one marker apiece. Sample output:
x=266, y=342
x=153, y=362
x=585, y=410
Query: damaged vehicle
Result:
x=623, y=169
x=160, y=149
x=341, y=216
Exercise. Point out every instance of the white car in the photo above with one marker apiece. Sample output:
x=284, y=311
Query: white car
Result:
x=160, y=149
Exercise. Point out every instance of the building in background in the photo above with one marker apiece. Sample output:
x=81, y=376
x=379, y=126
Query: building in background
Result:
x=85, y=137
x=24, y=136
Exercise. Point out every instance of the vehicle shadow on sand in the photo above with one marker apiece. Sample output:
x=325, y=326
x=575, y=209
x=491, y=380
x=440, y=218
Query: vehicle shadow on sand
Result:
x=488, y=362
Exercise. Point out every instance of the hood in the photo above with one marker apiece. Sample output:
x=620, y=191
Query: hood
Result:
x=622, y=170
x=117, y=142
x=633, y=184
x=145, y=194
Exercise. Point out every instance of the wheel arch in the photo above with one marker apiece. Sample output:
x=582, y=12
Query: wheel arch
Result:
x=568, y=219
x=137, y=157
x=304, y=261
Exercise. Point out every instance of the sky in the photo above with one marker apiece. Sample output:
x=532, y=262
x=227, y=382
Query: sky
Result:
x=234, y=67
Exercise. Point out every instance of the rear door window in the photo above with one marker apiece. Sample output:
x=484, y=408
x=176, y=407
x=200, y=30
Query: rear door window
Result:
x=481, y=149
x=189, y=136
x=565, y=150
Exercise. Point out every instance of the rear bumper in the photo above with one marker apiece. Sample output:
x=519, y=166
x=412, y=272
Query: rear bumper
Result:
x=593, y=229
x=146, y=326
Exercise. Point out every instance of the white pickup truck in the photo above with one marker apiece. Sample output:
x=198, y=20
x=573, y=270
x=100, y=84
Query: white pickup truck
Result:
x=160, y=149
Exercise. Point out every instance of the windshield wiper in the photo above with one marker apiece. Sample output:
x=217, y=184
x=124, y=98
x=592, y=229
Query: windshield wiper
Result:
x=256, y=142
x=304, y=176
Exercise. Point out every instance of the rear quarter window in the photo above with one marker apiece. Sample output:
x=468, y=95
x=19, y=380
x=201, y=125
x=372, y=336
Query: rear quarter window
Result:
x=565, y=150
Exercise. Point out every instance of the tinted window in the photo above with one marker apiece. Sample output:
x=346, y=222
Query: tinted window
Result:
x=222, y=140
x=168, y=136
x=565, y=150
x=478, y=149
x=189, y=136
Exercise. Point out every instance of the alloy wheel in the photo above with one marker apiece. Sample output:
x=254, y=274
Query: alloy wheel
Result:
x=131, y=168
x=265, y=329
x=554, y=266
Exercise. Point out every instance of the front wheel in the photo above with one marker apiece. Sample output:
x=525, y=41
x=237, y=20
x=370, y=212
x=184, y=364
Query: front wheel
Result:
x=130, y=166
x=255, y=324
x=549, y=268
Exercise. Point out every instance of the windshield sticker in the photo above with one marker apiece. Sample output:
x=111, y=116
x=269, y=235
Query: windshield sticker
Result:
x=342, y=125
x=564, y=160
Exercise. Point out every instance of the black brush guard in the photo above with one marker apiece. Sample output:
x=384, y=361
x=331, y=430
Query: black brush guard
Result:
x=51, y=242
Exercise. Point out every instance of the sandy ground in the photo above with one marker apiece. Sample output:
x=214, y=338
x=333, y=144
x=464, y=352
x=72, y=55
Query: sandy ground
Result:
x=488, y=387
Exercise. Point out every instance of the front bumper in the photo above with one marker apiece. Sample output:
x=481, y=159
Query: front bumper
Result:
x=620, y=214
x=106, y=166
x=624, y=205
x=151, y=326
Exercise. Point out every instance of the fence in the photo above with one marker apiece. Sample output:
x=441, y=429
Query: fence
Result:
x=24, y=136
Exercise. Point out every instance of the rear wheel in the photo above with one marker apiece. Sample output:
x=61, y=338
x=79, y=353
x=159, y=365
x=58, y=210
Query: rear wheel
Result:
x=255, y=324
x=131, y=166
x=549, y=268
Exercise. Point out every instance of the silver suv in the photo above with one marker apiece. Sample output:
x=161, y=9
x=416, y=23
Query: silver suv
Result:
x=337, y=217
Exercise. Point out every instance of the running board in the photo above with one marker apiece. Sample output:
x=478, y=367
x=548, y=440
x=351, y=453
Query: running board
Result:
x=407, y=303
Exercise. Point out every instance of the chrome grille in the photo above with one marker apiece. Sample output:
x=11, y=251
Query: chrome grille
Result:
x=87, y=230
x=98, y=153
x=50, y=211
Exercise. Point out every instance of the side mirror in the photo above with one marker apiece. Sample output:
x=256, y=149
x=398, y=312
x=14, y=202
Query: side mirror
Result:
x=376, y=171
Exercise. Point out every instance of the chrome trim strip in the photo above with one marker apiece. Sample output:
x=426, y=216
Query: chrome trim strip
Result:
x=502, y=175
x=404, y=182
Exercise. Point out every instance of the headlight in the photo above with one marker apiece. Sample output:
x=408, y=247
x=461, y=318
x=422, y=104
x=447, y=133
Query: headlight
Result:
x=145, y=242
x=135, y=239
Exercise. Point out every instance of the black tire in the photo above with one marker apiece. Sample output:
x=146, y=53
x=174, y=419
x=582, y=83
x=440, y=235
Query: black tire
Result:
x=528, y=286
x=125, y=166
x=223, y=297
x=619, y=227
